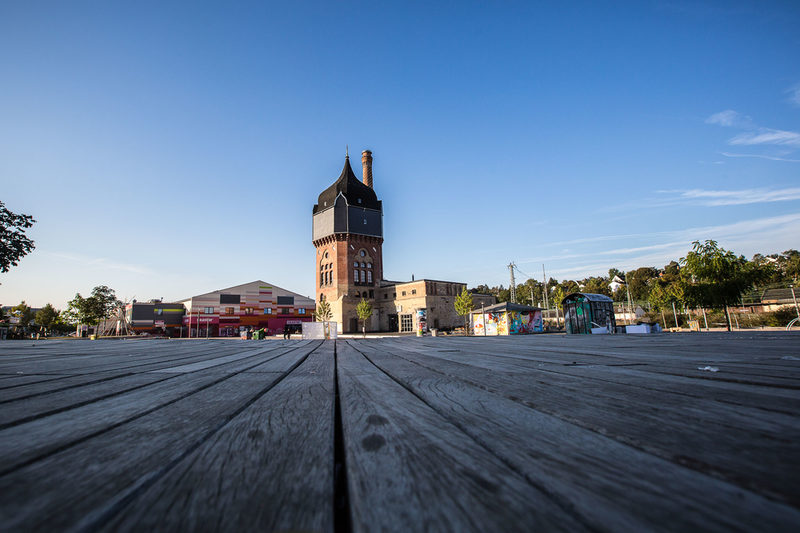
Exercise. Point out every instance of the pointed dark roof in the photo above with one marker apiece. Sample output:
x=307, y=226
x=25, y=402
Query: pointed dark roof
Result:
x=352, y=188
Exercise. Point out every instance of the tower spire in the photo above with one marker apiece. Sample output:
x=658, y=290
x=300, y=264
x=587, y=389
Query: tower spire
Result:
x=346, y=151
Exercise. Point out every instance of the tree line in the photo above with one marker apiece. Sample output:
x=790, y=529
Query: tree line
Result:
x=707, y=277
x=101, y=304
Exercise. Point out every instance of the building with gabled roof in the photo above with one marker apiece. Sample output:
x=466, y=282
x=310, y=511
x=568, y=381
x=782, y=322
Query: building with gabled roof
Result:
x=255, y=305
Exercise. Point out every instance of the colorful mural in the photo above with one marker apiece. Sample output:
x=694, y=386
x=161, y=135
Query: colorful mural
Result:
x=477, y=326
x=522, y=322
x=491, y=323
x=507, y=323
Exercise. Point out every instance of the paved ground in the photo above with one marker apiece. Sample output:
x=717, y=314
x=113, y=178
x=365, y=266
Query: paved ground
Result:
x=673, y=432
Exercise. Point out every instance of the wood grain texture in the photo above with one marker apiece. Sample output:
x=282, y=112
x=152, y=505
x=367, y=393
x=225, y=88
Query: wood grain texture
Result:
x=612, y=486
x=83, y=483
x=611, y=433
x=270, y=468
x=737, y=443
x=408, y=468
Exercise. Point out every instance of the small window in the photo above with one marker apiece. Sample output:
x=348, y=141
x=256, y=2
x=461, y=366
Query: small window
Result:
x=369, y=276
x=362, y=253
x=359, y=200
x=413, y=291
x=229, y=310
x=355, y=276
x=248, y=310
x=326, y=255
x=355, y=263
x=208, y=310
x=403, y=293
x=369, y=265
x=301, y=311
x=365, y=221
x=386, y=296
x=363, y=265
x=394, y=295
x=267, y=310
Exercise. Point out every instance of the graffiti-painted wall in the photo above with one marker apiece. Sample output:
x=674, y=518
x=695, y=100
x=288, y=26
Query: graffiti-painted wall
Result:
x=507, y=323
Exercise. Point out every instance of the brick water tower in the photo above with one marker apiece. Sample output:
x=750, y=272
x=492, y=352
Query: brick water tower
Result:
x=348, y=237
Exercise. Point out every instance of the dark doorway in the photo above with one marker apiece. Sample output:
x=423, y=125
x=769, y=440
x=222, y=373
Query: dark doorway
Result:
x=353, y=325
x=393, y=326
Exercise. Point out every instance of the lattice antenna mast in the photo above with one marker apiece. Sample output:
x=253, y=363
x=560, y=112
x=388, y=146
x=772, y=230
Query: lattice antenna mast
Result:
x=511, y=267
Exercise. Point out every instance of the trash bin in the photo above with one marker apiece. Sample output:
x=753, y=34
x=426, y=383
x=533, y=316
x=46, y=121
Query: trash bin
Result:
x=434, y=332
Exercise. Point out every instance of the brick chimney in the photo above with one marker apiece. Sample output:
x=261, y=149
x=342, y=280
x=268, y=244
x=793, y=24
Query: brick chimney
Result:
x=366, y=164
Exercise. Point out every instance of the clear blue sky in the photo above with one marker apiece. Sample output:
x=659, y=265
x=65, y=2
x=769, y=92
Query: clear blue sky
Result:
x=171, y=148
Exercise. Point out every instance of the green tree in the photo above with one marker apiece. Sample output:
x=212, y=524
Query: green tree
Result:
x=464, y=306
x=14, y=244
x=714, y=277
x=323, y=313
x=557, y=299
x=663, y=294
x=364, y=310
x=23, y=313
x=790, y=265
x=596, y=285
x=639, y=282
x=47, y=317
x=97, y=307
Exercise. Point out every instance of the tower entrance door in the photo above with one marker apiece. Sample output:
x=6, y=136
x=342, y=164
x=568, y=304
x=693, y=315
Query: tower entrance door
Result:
x=353, y=325
x=393, y=325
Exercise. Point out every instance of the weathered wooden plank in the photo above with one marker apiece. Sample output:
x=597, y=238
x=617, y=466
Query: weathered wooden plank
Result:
x=749, y=447
x=742, y=394
x=30, y=408
x=410, y=469
x=124, y=356
x=611, y=486
x=90, y=481
x=269, y=469
x=39, y=437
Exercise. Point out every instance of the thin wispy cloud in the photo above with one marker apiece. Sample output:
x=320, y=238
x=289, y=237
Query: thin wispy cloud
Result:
x=755, y=135
x=759, y=156
x=716, y=198
x=766, y=136
x=728, y=118
x=746, y=236
x=794, y=94
x=101, y=262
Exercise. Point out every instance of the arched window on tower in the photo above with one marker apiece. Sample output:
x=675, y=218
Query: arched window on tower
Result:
x=355, y=276
x=369, y=276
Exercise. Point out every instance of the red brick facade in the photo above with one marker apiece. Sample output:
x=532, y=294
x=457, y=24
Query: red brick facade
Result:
x=337, y=270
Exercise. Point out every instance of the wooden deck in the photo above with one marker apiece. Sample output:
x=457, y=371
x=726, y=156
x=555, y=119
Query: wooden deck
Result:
x=603, y=433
